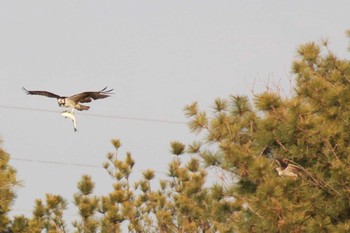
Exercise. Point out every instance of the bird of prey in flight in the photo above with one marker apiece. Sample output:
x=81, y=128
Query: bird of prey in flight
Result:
x=74, y=101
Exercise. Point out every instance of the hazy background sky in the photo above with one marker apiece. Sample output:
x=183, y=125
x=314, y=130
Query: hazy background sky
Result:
x=157, y=55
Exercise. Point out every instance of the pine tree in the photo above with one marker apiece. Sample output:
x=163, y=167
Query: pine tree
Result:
x=8, y=184
x=304, y=138
x=47, y=215
x=87, y=205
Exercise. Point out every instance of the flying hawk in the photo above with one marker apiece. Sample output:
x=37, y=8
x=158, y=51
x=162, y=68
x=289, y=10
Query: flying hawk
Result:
x=287, y=169
x=74, y=101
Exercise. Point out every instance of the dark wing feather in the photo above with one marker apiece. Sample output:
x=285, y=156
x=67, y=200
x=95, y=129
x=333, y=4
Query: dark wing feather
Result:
x=43, y=93
x=88, y=96
x=86, y=100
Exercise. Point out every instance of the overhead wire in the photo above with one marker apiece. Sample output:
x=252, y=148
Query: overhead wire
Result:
x=55, y=162
x=66, y=163
x=80, y=164
x=87, y=114
x=97, y=115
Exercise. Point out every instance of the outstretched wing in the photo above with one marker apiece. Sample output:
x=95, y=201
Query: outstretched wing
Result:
x=88, y=96
x=43, y=93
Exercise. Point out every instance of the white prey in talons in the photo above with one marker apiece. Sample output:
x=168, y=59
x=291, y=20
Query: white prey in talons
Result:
x=70, y=115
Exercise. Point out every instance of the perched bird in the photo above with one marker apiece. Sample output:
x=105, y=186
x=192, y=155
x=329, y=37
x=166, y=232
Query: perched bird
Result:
x=70, y=115
x=287, y=169
x=74, y=101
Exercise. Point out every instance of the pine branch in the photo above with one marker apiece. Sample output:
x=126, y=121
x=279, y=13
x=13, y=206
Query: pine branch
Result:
x=317, y=181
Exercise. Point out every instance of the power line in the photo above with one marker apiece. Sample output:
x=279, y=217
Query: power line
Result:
x=97, y=115
x=55, y=162
x=66, y=163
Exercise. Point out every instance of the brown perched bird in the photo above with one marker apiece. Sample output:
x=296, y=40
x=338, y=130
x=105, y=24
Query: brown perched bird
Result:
x=74, y=101
x=287, y=169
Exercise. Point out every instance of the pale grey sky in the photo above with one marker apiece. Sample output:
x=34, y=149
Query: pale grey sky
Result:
x=157, y=55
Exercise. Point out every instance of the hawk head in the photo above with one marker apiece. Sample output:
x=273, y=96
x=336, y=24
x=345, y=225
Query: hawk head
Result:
x=61, y=102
